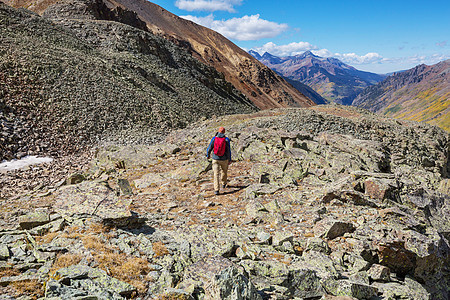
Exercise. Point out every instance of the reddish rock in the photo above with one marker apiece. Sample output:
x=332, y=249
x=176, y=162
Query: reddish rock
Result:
x=380, y=189
x=394, y=256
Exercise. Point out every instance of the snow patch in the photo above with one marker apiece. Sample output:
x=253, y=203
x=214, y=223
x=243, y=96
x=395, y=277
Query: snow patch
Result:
x=26, y=161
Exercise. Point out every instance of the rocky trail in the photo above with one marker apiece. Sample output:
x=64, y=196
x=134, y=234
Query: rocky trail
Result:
x=329, y=202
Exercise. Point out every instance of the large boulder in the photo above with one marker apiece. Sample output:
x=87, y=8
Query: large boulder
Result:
x=95, y=198
x=304, y=284
x=220, y=279
x=330, y=229
x=34, y=219
x=380, y=188
x=79, y=280
x=346, y=287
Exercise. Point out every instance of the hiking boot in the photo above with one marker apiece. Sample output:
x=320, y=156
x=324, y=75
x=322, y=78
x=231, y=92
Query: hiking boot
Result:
x=216, y=193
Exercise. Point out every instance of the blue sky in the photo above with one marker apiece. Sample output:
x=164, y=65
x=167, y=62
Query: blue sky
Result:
x=377, y=36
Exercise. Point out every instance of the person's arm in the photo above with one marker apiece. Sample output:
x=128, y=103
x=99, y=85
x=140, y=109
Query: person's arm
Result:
x=210, y=148
x=229, y=151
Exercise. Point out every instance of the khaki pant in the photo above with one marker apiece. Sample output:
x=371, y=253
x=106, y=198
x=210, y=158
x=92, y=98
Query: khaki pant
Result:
x=217, y=166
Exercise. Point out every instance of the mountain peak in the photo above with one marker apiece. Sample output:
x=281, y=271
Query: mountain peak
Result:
x=307, y=54
x=254, y=54
x=268, y=55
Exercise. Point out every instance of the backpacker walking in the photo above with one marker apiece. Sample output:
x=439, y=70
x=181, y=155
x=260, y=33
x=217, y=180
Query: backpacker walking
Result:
x=221, y=158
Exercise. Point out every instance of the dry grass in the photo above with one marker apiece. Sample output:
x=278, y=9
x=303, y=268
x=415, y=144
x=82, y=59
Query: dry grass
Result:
x=47, y=238
x=31, y=288
x=98, y=228
x=127, y=269
x=118, y=265
x=92, y=242
x=159, y=249
x=9, y=272
x=73, y=232
x=64, y=261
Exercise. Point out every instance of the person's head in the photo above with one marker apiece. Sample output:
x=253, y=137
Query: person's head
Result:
x=222, y=130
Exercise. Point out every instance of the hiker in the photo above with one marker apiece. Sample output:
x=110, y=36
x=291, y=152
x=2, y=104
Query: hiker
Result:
x=221, y=158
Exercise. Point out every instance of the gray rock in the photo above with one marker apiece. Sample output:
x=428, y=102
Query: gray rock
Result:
x=75, y=178
x=93, y=198
x=280, y=237
x=379, y=273
x=51, y=227
x=86, y=278
x=255, y=209
x=34, y=219
x=349, y=288
x=361, y=277
x=124, y=186
x=231, y=284
x=317, y=261
x=331, y=229
x=259, y=189
x=410, y=289
x=317, y=244
x=273, y=271
x=264, y=237
x=4, y=252
x=304, y=283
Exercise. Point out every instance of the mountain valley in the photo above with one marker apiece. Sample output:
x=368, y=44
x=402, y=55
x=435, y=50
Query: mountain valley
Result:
x=332, y=79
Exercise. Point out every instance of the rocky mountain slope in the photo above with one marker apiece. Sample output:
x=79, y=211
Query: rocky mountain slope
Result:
x=260, y=84
x=322, y=202
x=307, y=91
x=68, y=82
x=332, y=79
x=419, y=94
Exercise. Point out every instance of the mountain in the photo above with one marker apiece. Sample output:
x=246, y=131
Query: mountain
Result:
x=332, y=79
x=67, y=82
x=419, y=94
x=260, y=84
x=301, y=87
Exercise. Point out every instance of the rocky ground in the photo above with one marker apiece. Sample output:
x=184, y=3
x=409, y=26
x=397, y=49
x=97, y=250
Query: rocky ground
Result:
x=322, y=203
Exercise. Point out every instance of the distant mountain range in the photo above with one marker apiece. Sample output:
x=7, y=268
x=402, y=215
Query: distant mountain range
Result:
x=419, y=94
x=334, y=80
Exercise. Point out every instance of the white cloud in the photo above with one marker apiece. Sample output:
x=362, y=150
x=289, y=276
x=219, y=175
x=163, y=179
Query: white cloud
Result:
x=423, y=59
x=323, y=53
x=285, y=50
x=207, y=5
x=247, y=28
x=354, y=59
